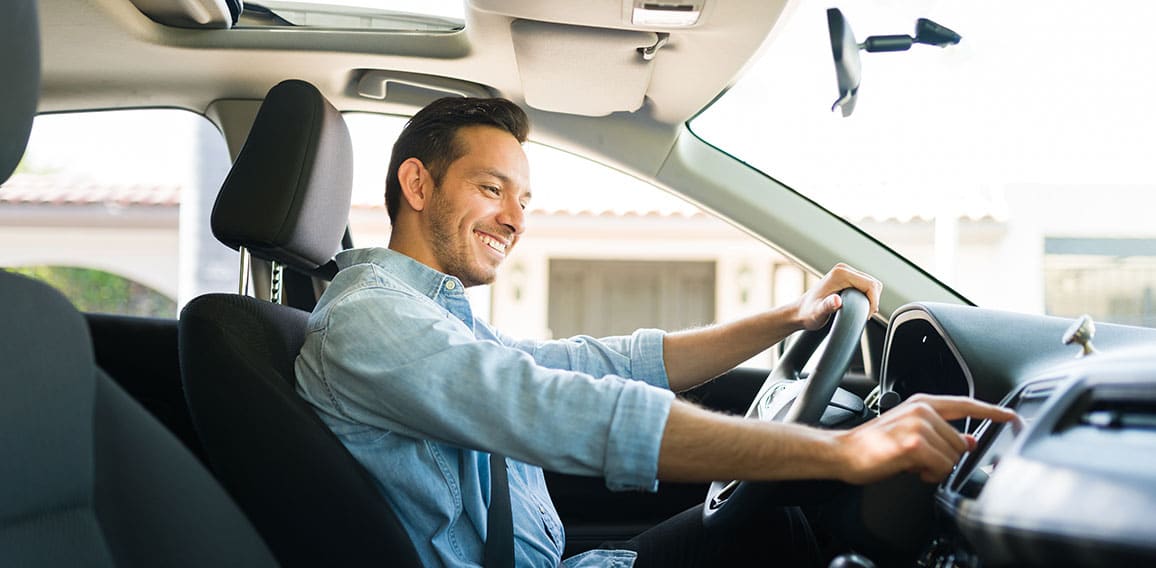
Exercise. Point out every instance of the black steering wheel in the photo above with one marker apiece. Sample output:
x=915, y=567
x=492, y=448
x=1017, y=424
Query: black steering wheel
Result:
x=786, y=398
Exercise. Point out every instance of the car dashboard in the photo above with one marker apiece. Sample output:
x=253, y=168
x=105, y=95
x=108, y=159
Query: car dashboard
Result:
x=1071, y=482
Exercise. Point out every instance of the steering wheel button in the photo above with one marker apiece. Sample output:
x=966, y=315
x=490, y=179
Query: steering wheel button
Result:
x=888, y=400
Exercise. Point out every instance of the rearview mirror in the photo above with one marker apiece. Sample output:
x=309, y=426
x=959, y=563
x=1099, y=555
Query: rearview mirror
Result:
x=845, y=50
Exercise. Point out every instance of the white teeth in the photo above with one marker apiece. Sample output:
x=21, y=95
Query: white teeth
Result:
x=493, y=243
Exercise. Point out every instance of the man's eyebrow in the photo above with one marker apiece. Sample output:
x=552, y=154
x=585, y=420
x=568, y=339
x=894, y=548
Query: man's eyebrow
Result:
x=495, y=173
x=505, y=179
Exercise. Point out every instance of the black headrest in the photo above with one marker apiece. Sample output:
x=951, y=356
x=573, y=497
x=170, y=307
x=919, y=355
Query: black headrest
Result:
x=20, y=68
x=287, y=197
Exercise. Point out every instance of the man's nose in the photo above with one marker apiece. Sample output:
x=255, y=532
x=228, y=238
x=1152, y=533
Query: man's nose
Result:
x=513, y=216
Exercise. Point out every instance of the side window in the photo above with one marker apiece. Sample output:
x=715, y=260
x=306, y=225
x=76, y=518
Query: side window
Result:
x=603, y=253
x=94, y=290
x=112, y=209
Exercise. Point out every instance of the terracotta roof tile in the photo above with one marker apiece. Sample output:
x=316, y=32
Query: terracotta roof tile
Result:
x=48, y=190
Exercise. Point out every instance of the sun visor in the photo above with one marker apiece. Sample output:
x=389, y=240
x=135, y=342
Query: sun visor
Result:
x=582, y=70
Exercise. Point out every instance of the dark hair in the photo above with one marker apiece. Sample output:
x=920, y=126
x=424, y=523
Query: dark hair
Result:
x=431, y=136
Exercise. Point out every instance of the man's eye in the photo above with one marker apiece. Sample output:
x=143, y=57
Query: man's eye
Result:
x=492, y=189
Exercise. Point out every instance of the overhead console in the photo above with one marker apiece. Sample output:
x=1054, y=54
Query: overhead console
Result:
x=1072, y=482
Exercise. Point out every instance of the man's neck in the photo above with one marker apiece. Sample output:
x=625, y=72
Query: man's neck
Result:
x=401, y=241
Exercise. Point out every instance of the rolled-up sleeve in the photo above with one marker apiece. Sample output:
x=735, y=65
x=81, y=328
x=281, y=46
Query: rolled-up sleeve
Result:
x=387, y=358
x=636, y=356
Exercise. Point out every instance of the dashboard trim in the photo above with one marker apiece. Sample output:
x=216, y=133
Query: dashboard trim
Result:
x=916, y=312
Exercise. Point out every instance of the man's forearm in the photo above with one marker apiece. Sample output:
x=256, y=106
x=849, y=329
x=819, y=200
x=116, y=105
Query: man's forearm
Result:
x=699, y=445
x=695, y=356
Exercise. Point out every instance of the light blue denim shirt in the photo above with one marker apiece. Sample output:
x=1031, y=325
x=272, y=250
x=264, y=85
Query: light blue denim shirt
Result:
x=419, y=391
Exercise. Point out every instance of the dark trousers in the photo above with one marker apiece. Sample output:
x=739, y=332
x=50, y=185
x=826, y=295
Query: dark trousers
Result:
x=777, y=536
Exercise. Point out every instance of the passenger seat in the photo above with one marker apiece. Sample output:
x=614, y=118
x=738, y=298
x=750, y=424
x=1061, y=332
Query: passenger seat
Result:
x=87, y=476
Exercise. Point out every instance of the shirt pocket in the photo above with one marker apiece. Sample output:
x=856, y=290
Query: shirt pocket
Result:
x=553, y=525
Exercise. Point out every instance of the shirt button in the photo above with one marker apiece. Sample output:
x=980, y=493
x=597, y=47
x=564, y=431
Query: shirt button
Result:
x=450, y=285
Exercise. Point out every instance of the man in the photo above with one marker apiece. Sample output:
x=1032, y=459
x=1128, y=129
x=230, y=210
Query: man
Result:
x=420, y=391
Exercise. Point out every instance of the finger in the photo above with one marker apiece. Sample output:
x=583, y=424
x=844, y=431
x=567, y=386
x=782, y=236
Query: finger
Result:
x=948, y=444
x=972, y=443
x=954, y=439
x=932, y=464
x=872, y=289
x=923, y=409
x=831, y=304
x=874, y=294
x=933, y=430
x=956, y=407
x=929, y=476
x=821, y=311
x=849, y=277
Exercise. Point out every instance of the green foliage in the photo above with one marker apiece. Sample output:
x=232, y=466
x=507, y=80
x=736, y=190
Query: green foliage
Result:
x=93, y=290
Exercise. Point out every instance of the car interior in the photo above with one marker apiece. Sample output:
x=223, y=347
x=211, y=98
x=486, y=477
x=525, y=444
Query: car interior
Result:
x=180, y=440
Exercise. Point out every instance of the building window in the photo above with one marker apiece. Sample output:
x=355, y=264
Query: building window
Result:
x=1110, y=279
x=615, y=297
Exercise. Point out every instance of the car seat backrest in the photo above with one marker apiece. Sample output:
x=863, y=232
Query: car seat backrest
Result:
x=286, y=200
x=88, y=477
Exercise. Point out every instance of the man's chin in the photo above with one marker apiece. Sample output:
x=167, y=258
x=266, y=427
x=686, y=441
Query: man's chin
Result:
x=477, y=278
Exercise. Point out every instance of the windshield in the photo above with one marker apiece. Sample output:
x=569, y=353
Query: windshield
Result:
x=1015, y=166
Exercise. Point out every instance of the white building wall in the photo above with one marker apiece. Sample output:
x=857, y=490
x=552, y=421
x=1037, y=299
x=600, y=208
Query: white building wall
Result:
x=145, y=254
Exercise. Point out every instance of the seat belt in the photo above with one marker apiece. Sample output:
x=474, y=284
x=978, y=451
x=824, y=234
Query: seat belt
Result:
x=499, y=521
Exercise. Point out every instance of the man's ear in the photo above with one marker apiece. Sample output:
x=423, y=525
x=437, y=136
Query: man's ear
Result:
x=415, y=183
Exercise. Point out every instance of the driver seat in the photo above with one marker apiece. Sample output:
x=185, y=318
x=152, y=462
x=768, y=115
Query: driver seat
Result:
x=286, y=199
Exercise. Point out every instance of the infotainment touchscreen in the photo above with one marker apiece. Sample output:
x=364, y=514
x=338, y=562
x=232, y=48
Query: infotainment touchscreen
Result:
x=995, y=439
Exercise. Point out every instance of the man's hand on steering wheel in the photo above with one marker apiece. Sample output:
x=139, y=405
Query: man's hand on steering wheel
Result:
x=818, y=303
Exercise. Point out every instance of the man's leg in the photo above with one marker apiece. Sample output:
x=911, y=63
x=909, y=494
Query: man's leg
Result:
x=778, y=536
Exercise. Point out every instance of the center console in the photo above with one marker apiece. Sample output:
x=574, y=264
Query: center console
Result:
x=1072, y=482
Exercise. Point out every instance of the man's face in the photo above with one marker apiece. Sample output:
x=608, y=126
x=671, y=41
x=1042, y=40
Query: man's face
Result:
x=475, y=216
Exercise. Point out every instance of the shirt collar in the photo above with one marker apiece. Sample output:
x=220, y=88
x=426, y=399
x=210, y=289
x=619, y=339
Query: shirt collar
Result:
x=436, y=285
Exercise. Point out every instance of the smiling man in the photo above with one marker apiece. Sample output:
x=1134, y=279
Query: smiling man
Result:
x=421, y=391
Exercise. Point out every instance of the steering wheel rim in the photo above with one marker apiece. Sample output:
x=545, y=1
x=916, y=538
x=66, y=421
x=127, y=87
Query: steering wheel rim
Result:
x=727, y=502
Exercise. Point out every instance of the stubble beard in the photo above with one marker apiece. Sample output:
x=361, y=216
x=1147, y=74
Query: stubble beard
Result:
x=451, y=252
